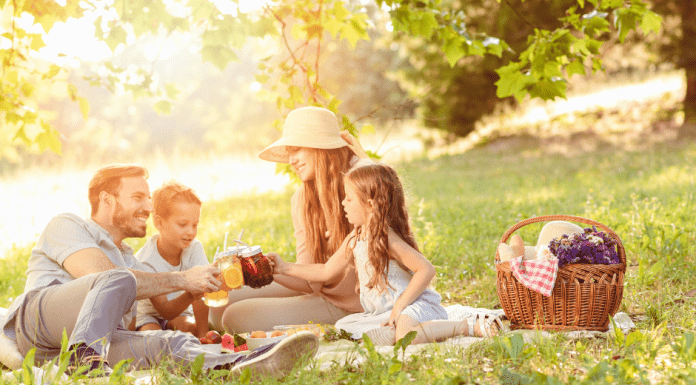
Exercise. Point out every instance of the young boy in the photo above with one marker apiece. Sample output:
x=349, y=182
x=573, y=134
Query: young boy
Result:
x=175, y=248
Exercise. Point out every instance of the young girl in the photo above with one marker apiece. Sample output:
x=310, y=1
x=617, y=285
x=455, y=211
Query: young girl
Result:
x=175, y=248
x=393, y=275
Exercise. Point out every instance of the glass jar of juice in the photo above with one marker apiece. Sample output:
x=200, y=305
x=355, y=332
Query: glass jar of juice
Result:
x=230, y=274
x=257, y=269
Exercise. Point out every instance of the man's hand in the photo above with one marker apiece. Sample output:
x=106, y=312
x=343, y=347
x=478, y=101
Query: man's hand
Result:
x=201, y=279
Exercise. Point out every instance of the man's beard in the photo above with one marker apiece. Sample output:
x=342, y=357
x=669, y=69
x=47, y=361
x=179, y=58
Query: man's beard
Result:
x=123, y=221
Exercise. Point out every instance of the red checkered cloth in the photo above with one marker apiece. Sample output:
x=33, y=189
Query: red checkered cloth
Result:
x=539, y=276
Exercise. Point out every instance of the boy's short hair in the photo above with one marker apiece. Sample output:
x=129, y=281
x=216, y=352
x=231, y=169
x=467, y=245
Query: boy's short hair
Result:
x=108, y=178
x=170, y=192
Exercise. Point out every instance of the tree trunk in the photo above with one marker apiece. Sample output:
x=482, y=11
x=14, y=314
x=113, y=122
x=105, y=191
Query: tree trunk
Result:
x=687, y=52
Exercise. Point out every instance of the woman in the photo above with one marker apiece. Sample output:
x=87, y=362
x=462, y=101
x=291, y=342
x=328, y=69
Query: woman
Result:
x=313, y=145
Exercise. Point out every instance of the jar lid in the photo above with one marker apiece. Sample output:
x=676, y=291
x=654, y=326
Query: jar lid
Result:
x=252, y=250
x=234, y=250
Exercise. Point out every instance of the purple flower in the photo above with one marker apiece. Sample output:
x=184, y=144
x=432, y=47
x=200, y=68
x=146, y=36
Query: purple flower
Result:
x=591, y=246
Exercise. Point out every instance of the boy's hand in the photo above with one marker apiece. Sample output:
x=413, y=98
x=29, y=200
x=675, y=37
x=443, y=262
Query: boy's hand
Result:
x=276, y=263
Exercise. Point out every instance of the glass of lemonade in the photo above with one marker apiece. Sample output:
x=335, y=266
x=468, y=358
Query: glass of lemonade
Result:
x=231, y=275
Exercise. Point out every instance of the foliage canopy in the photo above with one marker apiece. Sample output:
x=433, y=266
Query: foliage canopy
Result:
x=302, y=30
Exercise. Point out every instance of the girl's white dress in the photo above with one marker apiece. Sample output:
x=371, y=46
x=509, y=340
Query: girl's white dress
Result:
x=378, y=306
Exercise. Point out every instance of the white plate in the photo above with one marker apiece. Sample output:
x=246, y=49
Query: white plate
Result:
x=212, y=348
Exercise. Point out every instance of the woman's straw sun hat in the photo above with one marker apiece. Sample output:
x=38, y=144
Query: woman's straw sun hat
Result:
x=312, y=127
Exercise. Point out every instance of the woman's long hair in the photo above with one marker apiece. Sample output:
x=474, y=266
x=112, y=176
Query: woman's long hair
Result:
x=323, y=195
x=381, y=184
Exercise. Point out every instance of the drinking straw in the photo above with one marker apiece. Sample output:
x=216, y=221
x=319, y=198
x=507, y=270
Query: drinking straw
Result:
x=238, y=241
x=225, y=244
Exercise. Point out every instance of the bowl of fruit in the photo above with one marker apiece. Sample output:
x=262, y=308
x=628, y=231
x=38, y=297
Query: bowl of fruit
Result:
x=260, y=338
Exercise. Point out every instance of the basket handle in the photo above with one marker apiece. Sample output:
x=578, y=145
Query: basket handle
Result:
x=571, y=218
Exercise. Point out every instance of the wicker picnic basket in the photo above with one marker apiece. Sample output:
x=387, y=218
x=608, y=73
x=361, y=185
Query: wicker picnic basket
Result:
x=582, y=299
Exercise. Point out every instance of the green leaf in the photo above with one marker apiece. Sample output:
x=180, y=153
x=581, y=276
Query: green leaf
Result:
x=348, y=125
x=37, y=41
x=47, y=21
x=163, y=107
x=63, y=357
x=28, y=89
x=215, y=38
x=619, y=337
x=333, y=26
x=48, y=139
x=595, y=23
x=354, y=30
x=367, y=129
x=117, y=36
x=28, y=367
x=549, y=89
x=580, y=46
x=493, y=46
x=172, y=90
x=512, y=82
x=552, y=69
x=607, y=4
x=625, y=20
x=454, y=50
x=651, y=22
x=513, y=345
x=425, y=25
x=295, y=94
x=196, y=368
x=576, y=67
x=333, y=105
x=52, y=71
x=593, y=46
x=84, y=106
x=218, y=55
x=634, y=337
x=22, y=135
x=597, y=65
x=395, y=368
x=476, y=48
x=339, y=11
x=12, y=118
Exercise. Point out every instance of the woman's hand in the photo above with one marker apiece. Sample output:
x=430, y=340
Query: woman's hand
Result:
x=354, y=145
x=393, y=317
x=276, y=263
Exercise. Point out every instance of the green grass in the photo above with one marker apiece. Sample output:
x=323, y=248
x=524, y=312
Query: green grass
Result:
x=460, y=207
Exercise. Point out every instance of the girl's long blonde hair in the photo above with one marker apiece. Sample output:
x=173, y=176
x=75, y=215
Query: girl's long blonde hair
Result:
x=323, y=212
x=380, y=183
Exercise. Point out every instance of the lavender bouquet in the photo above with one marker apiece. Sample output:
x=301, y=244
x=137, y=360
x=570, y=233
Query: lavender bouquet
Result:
x=591, y=246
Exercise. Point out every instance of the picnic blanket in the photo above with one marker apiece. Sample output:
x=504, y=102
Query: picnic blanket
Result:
x=345, y=352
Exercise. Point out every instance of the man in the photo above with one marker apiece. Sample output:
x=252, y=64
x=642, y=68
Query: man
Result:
x=83, y=279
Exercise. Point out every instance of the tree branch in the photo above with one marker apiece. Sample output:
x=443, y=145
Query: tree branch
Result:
x=295, y=61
